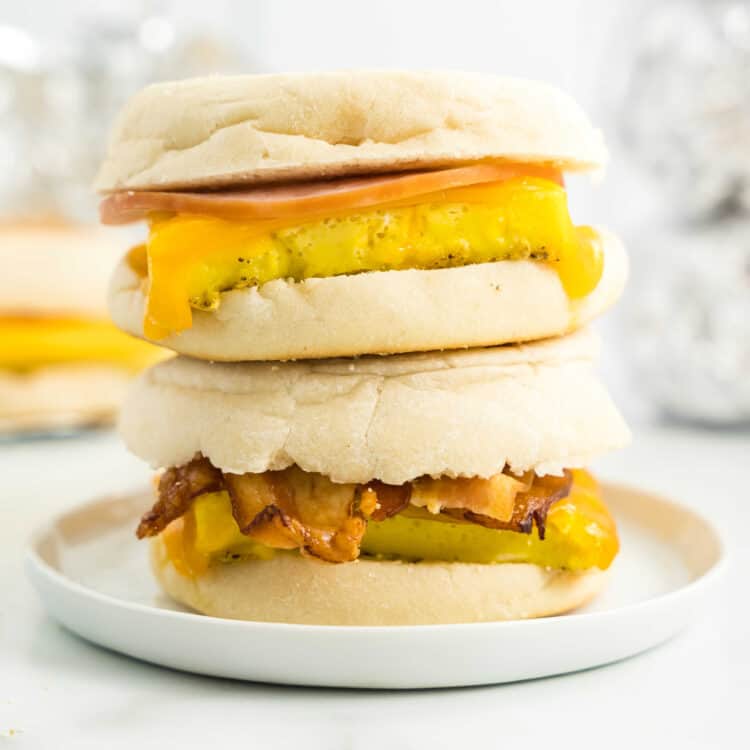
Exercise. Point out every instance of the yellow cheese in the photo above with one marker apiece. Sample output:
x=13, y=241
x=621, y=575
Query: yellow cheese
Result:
x=191, y=259
x=208, y=532
x=28, y=342
x=581, y=534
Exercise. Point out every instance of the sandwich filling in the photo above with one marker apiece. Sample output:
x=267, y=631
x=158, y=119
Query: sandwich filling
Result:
x=29, y=342
x=205, y=516
x=203, y=245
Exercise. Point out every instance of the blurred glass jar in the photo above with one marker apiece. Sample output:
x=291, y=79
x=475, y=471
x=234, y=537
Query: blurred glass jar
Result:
x=685, y=119
x=689, y=322
x=685, y=114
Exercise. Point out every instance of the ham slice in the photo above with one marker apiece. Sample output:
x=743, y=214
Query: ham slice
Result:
x=307, y=199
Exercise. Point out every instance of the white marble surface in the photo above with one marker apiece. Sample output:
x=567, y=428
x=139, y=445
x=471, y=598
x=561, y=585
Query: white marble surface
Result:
x=59, y=692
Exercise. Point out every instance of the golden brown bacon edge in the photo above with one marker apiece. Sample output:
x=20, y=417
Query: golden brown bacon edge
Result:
x=293, y=509
x=529, y=507
x=178, y=487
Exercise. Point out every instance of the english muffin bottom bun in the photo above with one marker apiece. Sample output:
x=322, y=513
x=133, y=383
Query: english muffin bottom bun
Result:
x=288, y=487
x=62, y=362
x=342, y=214
x=289, y=588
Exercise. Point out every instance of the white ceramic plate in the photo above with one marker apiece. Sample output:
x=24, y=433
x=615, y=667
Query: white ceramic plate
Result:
x=93, y=577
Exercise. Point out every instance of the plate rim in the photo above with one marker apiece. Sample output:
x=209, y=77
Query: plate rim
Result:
x=37, y=569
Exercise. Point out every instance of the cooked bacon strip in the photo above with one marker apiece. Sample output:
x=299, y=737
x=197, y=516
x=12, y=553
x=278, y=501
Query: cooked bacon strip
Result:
x=391, y=499
x=178, y=487
x=249, y=494
x=284, y=509
x=530, y=507
x=294, y=509
x=494, y=497
x=274, y=528
x=309, y=512
x=306, y=199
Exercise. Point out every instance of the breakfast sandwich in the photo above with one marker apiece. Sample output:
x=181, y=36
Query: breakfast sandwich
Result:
x=417, y=488
x=339, y=214
x=383, y=405
x=62, y=362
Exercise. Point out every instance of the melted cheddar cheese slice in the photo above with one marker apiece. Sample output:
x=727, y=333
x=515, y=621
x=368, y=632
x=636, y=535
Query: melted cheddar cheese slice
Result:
x=28, y=342
x=189, y=260
x=580, y=534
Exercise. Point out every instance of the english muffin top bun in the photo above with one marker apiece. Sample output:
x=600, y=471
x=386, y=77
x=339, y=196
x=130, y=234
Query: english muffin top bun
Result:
x=395, y=418
x=227, y=131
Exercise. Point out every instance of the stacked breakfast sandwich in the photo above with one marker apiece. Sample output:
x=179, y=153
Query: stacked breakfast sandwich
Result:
x=62, y=362
x=383, y=403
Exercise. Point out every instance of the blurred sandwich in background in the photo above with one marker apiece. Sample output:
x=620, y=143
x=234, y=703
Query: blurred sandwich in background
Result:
x=62, y=363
